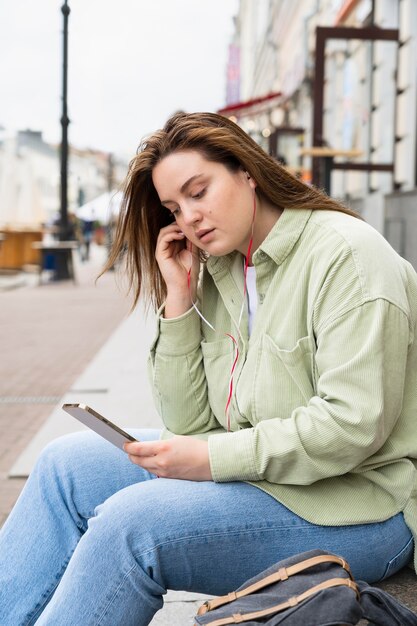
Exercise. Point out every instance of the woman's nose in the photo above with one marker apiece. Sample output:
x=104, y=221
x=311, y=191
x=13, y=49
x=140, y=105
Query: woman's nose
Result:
x=190, y=215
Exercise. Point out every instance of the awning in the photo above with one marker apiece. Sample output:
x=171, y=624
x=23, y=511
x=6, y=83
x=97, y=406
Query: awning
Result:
x=103, y=208
x=249, y=107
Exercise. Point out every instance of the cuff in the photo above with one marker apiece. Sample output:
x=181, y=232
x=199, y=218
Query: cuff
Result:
x=178, y=335
x=232, y=456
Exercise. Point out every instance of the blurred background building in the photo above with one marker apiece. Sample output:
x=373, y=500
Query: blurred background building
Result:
x=30, y=190
x=29, y=178
x=330, y=88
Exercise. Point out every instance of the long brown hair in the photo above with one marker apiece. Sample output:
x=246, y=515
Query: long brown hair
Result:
x=142, y=216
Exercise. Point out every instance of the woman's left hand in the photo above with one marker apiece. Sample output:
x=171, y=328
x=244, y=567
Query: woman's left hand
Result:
x=180, y=457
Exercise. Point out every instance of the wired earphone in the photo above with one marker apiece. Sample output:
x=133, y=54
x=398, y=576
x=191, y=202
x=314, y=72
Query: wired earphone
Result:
x=237, y=325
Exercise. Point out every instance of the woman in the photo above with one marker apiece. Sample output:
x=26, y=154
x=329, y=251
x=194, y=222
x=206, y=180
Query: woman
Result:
x=284, y=369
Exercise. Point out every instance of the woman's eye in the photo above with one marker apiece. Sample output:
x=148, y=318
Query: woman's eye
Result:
x=198, y=195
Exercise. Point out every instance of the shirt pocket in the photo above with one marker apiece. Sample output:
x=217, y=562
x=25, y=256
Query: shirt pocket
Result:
x=218, y=361
x=283, y=379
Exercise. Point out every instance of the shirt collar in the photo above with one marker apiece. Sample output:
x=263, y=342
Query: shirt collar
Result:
x=277, y=245
x=284, y=235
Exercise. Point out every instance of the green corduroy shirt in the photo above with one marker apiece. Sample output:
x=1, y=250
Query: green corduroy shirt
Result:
x=324, y=410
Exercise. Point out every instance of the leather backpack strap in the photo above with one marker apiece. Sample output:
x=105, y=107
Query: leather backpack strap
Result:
x=239, y=618
x=282, y=574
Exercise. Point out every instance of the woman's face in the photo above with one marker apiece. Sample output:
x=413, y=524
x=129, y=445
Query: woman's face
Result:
x=212, y=205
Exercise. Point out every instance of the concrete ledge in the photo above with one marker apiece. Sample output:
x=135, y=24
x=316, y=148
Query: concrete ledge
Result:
x=179, y=609
x=403, y=586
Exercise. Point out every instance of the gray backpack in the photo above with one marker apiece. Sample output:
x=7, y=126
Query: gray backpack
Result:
x=315, y=588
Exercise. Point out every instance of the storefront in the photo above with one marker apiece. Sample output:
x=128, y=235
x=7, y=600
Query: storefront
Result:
x=265, y=120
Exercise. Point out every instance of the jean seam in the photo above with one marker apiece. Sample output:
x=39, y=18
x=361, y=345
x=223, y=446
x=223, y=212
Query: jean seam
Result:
x=395, y=558
x=114, y=594
x=47, y=595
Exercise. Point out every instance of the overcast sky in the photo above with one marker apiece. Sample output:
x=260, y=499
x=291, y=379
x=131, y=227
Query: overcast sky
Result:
x=131, y=64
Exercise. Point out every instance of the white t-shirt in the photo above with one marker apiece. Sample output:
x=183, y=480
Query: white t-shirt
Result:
x=252, y=295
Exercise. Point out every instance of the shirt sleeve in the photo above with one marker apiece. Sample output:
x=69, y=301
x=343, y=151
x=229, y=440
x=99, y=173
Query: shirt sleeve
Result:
x=177, y=376
x=360, y=363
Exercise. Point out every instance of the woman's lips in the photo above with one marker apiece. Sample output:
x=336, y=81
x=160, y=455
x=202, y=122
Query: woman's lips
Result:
x=205, y=235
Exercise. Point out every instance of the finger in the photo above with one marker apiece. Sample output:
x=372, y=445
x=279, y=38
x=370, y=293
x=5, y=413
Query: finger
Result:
x=169, y=229
x=145, y=463
x=170, y=232
x=150, y=462
x=186, y=259
x=167, y=243
x=167, y=238
x=143, y=448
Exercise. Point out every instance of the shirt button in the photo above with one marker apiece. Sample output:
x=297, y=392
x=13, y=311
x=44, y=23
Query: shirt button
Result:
x=261, y=297
x=262, y=254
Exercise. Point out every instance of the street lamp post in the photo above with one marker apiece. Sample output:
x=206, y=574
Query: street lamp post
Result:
x=63, y=230
x=63, y=255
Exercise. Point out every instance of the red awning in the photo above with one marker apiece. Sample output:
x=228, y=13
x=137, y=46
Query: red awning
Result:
x=250, y=106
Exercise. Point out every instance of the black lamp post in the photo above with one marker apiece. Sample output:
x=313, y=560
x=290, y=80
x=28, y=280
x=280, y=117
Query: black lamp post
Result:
x=63, y=252
x=63, y=227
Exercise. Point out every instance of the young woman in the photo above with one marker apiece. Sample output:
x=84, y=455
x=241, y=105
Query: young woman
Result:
x=284, y=369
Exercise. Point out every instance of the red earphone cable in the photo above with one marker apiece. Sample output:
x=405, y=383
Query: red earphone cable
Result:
x=235, y=343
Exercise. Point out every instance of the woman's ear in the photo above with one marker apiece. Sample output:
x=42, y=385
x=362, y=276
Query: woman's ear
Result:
x=250, y=179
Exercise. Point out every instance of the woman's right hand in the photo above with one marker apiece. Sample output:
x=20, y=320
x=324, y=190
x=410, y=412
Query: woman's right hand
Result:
x=175, y=256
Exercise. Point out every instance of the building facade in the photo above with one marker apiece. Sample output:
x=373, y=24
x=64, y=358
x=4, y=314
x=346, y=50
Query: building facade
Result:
x=30, y=179
x=346, y=75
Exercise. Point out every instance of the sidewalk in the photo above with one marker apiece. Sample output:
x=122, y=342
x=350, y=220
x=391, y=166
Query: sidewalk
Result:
x=62, y=342
x=48, y=334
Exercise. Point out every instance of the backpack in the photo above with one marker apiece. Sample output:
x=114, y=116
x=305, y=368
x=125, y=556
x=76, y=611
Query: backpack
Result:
x=314, y=588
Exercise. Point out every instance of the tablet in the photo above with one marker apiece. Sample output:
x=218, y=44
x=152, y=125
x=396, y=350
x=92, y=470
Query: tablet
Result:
x=99, y=424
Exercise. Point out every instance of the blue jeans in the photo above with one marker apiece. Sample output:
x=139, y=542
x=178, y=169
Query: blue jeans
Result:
x=94, y=539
